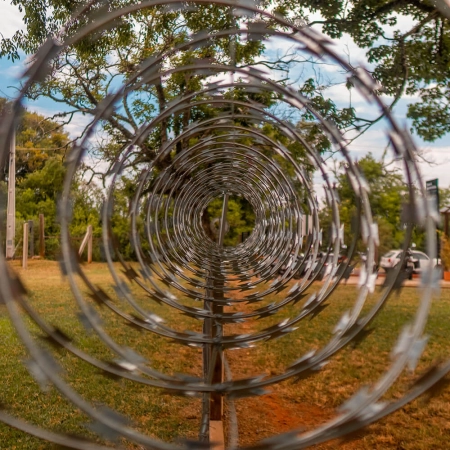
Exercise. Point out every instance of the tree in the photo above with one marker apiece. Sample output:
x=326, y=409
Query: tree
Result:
x=387, y=195
x=86, y=72
x=444, y=197
x=40, y=148
x=37, y=193
x=240, y=218
x=41, y=145
x=413, y=60
x=37, y=139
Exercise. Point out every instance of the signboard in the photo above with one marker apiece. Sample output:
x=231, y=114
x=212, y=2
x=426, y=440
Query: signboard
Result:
x=433, y=193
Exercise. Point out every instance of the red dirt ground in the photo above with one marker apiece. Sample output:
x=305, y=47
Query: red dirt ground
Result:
x=274, y=413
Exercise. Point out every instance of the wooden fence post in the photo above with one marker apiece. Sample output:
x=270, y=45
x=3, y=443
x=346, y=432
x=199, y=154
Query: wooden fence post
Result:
x=25, y=246
x=41, y=236
x=87, y=240
x=31, y=238
x=89, y=258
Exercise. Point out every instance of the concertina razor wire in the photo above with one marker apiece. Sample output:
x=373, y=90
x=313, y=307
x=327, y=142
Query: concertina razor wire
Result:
x=224, y=153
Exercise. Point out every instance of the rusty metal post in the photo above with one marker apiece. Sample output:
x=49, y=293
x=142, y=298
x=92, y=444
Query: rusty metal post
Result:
x=213, y=355
x=216, y=411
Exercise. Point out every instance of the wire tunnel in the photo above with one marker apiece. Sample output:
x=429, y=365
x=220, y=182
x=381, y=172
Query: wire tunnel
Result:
x=238, y=135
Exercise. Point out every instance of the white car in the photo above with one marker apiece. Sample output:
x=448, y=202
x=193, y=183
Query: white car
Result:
x=419, y=259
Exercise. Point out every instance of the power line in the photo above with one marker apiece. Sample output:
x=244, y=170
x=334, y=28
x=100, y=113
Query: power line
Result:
x=25, y=149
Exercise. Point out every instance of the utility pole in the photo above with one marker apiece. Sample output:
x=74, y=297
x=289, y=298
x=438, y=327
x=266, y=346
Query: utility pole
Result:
x=11, y=208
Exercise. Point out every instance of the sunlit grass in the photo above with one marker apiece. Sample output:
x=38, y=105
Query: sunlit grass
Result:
x=162, y=416
x=420, y=425
x=306, y=403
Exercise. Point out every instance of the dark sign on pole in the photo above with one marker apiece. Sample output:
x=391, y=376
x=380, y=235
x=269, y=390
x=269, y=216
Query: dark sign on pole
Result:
x=433, y=193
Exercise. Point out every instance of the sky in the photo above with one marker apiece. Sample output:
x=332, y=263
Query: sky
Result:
x=437, y=153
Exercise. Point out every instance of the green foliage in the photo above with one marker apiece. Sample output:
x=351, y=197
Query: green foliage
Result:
x=414, y=61
x=444, y=197
x=387, y=193
x=92, y=66
x=445, y=252
x=120, y=221
x=40, y=149
x=37, y=193
x=87, y=200
x=37, y=139
x=431, y=116
x=240, y=217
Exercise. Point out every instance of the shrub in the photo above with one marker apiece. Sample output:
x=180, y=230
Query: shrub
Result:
x=445, y=252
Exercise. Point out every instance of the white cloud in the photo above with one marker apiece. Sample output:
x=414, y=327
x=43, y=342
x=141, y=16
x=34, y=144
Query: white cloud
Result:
x=351, y=53
x=13, y=71
x=403, y=23
x=372, y=141
x=77, y=125
x=439, y=166
x=10, y=20
x=74, y=128
x=342, y=96
x=433, y=160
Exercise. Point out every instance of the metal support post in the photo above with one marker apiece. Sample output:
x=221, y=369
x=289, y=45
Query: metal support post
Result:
x=213, y=354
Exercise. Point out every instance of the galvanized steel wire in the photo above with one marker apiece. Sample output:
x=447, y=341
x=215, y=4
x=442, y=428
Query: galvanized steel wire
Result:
x=227, y=154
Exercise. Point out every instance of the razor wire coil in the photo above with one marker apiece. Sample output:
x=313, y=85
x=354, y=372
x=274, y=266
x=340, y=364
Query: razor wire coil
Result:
x=226, y=154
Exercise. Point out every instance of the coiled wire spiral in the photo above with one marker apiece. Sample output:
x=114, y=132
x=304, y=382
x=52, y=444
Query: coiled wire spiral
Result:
x=226, y=154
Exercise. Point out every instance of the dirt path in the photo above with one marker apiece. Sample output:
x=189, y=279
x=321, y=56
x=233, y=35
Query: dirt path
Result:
x=276, y=412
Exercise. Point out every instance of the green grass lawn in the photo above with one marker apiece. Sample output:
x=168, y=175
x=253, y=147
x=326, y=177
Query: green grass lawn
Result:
x=418, y=426
x=163, y=416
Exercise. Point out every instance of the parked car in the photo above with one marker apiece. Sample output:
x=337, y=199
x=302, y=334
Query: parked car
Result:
x=317, y=262
x=291, y=263
x=418, y=259
x=322, y=264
